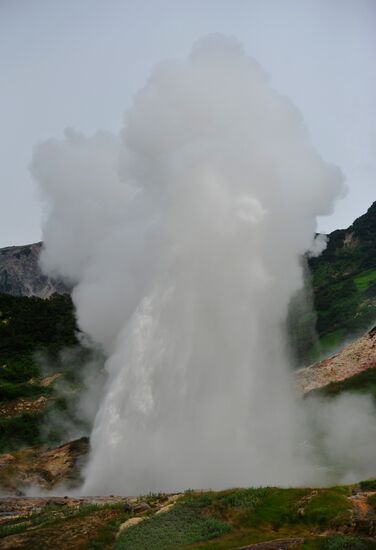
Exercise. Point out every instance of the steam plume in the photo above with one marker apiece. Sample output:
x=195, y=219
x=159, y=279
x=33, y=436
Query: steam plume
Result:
x=183, y=237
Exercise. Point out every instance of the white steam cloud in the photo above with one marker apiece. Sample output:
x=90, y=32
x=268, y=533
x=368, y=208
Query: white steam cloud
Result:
x=318, y=246
x=183, y=238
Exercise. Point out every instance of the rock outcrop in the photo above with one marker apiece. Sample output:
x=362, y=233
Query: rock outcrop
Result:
x=21, y=275
x=355, y=358
x=43, y=468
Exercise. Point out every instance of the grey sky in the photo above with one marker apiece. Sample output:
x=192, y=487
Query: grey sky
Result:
x=78, y=63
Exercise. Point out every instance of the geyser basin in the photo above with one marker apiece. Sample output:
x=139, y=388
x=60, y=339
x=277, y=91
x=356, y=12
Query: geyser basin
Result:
x=183, y=237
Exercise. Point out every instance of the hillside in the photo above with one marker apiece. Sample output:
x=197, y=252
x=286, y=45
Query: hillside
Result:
x=38, y=386
x=352, y=369
x=344, y=282
x=20, y=274
x=269, y=518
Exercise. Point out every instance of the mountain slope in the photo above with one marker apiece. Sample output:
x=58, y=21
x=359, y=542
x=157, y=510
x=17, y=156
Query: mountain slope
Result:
x=20, y=274
x=344, y=282
x=38, y=341
x=353, y=364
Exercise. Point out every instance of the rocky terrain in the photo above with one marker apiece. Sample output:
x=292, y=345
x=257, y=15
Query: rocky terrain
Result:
x=355, y=358
x=20, y=274
x=43, y=469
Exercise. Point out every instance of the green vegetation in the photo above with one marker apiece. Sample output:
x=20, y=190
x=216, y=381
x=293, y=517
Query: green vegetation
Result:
x=21, y=430
x=187, y=522
x=343, y=280
x=368, y=485
x=372, y=501
x=344, y=277
x=38, y=338
x=17, y=367
x=38, y=428
x=339, y=542
x=365, y=280
x=49, y=514
x=329, y=342
x=10, y=391
x=204, y=520
x=29, y=324
x=349, y=251
x=32, y=328
x=106, y=536
x=329, y=506
x=362, y=383
x=238, y=517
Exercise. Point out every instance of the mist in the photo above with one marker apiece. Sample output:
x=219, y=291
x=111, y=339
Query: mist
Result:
x=183, y=238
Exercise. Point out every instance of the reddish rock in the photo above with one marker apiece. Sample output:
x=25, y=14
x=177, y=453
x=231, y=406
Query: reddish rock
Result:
x=355, y=358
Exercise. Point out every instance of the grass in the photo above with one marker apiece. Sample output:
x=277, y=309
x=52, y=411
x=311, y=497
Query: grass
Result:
x=224, y=520
x=331, y=340
x=10, y=391
x=372, y=501
x=346, y=307
x=213, y=520
x=362, y=383
x=344, y=285
x=49, y=515
x=106, y=536
x=281, y=507
x=18, y=367
x=186, y=523
x=16, y=370
x=35, y=332
x=21, y=430
x=338, y=542
x=364, y=279
x=277, y=508
x=48, y=425
x=330, y=506
x=326, y=345
x=35, y=429
x=368, y=485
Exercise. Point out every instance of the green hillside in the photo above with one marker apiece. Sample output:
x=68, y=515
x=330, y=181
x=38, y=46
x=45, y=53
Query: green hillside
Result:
x=344, y=281
x=33, y=332
x=339, y=302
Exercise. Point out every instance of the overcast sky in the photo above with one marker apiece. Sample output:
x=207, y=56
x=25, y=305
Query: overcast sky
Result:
x=78, y=63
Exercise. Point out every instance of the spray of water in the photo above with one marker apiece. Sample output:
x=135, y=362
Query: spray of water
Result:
x=182, y=237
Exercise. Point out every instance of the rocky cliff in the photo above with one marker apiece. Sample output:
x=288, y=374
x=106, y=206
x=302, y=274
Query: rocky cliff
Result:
x=20, y=274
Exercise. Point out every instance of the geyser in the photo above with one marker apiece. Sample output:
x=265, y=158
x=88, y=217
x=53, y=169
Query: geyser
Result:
x=182, y=237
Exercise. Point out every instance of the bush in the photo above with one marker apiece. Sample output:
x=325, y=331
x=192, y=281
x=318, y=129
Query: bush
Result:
x=343, y=542
x=329, y=507
x=10, y=391
x=22, y=430
x=368, y=485
x=185, y=524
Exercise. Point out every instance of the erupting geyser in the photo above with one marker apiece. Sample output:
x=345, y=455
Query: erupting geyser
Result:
x=183, y=238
